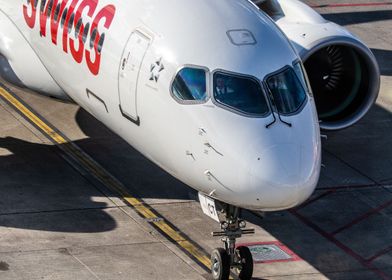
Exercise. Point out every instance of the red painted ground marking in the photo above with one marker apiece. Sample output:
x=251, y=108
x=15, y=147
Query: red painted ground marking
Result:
x=365, y=263
x=363, y=217
x=352, y=5
x=347, y=187
x=310, y=201
x=331, y=190
x=293, y=256
x=379, y=254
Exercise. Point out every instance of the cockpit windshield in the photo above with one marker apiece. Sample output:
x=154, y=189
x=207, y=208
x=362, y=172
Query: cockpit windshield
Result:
x=190, y=85
x=287, y=91
x=240, y=93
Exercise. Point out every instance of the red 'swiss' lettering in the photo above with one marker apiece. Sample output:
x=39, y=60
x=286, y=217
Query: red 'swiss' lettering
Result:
x=77, y=52
x=83, y=34
x=43, y=19
x=69, y=23
x=30, y=19
x=55, y=19
x=106, y=14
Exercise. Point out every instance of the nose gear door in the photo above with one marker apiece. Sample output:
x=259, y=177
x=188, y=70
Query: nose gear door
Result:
x=131, y=62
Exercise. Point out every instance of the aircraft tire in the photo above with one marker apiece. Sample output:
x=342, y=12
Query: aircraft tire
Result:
x=220, y=264
x=246, y=262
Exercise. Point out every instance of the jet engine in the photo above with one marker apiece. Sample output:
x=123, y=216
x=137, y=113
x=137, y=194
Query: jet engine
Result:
x=342, y=71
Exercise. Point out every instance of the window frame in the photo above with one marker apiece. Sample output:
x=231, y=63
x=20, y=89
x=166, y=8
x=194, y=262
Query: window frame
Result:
x=309, y=88
x=277, y=72
x=192, y=102
x=235, y=110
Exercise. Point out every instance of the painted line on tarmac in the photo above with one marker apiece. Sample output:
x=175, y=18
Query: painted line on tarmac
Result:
x=365, y=263
x=164, y=227
x=379, y=254
x=363, y=217
x=314, y=199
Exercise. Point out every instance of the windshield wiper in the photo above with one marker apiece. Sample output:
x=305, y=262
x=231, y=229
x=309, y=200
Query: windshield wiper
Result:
x=277, y=111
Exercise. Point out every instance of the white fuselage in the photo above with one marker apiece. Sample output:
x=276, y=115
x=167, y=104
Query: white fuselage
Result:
x=232, y=157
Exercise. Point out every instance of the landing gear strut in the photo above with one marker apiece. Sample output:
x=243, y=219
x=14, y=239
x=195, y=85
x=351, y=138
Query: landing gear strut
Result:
x=239, y=259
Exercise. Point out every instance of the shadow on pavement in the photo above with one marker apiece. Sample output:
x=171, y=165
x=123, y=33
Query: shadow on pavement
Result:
x=384, y=58
x=37, y=183
x=350, y=18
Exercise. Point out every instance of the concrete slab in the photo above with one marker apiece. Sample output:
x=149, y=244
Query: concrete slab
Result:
x=336, y=173
x=138, y=261
x=350, y=275
x=62, y=229
x=327, y=212
x=384, y=262
x=370, y=236
x=52, y=264
x=308, y=244
x=300, y=277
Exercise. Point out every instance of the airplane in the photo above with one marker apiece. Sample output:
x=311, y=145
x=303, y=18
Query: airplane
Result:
x=226, y=96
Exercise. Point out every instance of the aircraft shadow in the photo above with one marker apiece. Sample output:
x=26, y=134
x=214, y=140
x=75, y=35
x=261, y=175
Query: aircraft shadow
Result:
x=147, y=180
x=41, y=191
x=384, y=58
x=350, y=18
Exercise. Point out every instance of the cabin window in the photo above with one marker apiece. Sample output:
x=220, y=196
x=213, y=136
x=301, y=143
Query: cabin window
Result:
x=57, y=12
x=93, y=37
x=85, y=32
x=64, y=17
x=242, y=94
x=190, y=85
x=43, y=3
x=71, y=22
x=78, y=27
x=100, y=42
x=49, y=8
x=287, y=91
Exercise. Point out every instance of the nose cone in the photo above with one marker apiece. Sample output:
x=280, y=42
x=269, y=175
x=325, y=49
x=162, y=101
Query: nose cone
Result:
x=288, y=174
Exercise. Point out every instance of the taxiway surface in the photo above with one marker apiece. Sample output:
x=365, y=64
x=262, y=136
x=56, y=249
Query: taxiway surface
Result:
x=58, y=222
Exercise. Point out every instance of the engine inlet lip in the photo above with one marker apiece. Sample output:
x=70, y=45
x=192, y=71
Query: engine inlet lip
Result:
x=374, y=76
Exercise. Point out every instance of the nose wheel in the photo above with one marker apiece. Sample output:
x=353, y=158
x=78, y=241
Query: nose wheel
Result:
x=220, y=264
x=239, y=259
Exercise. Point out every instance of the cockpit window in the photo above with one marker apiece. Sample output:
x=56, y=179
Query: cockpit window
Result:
x=190, y=84
x=240, y=93
x=287, y=91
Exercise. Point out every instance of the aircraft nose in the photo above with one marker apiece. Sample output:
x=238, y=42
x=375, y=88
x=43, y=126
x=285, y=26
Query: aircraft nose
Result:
x=284, y=175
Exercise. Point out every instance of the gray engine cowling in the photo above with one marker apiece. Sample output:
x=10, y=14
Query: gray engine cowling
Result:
x=342, y=71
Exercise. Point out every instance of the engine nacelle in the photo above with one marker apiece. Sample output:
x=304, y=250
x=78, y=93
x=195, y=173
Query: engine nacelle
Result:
x=342, y=71
x=20, y=65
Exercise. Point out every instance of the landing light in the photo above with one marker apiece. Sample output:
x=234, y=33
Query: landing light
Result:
x=224, y=225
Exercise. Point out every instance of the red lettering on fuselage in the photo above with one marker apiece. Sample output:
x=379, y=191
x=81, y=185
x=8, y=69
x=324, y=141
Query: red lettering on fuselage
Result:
x=55, y=20
x=107, y=14
x=78, y=17
x=30, y=19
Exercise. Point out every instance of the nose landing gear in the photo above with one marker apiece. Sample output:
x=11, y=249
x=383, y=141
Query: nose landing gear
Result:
x=238, y=259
